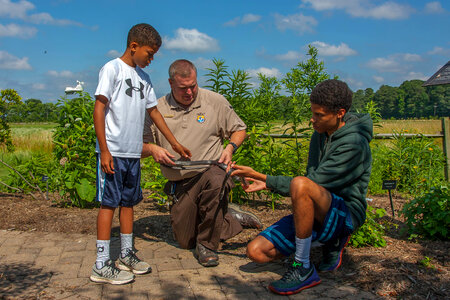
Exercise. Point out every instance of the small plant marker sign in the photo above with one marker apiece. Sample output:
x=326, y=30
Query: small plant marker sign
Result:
x=45, y=179
x=390, y=185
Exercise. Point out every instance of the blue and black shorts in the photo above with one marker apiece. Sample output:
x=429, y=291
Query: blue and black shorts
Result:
x=123, y=188
x=337, y=222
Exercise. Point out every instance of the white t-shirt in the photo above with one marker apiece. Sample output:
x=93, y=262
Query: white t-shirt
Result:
x=129, y=92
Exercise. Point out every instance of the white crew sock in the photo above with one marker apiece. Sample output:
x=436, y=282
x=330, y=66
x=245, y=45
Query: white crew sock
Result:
x=302, y=250
x=126, y=243
x=102, y=253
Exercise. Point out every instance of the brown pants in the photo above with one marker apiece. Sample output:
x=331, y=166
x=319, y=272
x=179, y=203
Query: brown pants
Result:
x=199, y=216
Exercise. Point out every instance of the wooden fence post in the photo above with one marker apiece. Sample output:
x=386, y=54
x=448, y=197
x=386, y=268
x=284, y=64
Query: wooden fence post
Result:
x=446, y=145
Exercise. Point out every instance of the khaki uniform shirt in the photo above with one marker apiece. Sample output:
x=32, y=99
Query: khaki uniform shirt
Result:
x=202, y=128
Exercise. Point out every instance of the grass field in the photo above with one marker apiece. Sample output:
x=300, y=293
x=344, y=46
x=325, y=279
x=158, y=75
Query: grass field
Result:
x=27, y=138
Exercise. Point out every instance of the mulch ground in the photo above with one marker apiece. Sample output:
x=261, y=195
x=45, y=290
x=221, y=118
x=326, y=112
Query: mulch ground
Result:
x=397, y=271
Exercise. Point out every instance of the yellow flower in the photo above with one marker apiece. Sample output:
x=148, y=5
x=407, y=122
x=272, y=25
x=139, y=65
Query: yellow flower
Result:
x=431, y=149
x=415, y=167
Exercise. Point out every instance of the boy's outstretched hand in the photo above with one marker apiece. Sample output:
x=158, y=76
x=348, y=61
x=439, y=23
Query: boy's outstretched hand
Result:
x=258, y=180
x=183, y=151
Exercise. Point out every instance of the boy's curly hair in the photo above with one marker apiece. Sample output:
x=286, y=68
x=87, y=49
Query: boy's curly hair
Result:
x=145, y=35
x=332, y=94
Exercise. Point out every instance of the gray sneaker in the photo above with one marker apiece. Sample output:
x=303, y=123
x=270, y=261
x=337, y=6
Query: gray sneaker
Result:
x=109, y=273
x=133, y=264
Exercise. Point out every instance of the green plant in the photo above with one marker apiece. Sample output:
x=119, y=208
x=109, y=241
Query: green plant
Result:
x=74, y=149
x=153, y=180
x=371, y=233
x=416, y=163
x=8, y=98
x=429, y=214
x=426, y=262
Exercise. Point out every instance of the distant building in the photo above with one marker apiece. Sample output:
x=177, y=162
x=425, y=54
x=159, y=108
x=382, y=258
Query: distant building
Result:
x=440, y=77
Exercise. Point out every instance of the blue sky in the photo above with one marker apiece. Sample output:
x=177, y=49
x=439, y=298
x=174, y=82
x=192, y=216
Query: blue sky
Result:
x=46, y=46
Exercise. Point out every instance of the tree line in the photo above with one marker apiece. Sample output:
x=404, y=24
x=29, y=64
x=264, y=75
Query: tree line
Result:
x=409, y=100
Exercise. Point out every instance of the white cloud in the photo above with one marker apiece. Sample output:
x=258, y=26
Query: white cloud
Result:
x=245, y=19
x=45, y=18
x=65, y=74
x=39, y=86
x=378, y=79
x=14, y=30
x=15, y=10
x=434, y=7
x=354, y=84
x=11, y=62
x=113, y=53
x=397, y=63
x=332, y=50
x=289, y=56
x=191, y=40
x=382, y=64
x=203, y=63
x=19, y=10
x=273, y=72
x=250, y=18
x=415, y=75
x=410, y=57
x=439, y=51
x=364, y=8
x=298, y=22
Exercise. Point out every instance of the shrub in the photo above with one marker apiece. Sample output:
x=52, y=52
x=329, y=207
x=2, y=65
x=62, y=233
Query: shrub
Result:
x=8, y=97
x=429, y=215
x=371, y=233
x=74, y=150
x=416, y=163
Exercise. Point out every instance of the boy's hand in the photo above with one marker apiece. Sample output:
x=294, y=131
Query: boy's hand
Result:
x=256, y=185
x=160, y=155
x=107, y=162
x=183, y=151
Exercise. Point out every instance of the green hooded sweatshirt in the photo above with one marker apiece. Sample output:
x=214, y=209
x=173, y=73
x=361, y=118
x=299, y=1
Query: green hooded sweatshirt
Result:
x=341, y=163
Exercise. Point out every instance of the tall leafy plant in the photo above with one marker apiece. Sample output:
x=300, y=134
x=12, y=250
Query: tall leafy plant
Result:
x=8, y=98
x=74, y=149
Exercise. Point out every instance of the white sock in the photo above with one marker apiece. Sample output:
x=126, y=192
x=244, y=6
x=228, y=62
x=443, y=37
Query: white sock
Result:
x=302, y=250
x=102, y=253
x=126, y=243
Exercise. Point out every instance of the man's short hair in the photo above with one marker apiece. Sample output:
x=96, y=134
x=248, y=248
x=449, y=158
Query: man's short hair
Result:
x=332, y=94
x=181, y=67
x=145, y=35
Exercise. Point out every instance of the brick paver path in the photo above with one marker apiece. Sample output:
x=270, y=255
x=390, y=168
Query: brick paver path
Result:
x=37, y=265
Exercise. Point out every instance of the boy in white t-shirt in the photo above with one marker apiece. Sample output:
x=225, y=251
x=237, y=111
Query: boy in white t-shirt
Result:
x=123, y=94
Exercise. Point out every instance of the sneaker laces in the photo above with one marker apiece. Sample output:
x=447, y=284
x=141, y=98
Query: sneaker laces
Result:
x=291, y=272
x=133, y=258
x=111, y=270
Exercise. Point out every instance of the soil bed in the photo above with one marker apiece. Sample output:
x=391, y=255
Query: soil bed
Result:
x=393, y=272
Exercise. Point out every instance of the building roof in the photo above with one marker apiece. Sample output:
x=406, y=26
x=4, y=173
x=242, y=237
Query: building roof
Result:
x=440, y=77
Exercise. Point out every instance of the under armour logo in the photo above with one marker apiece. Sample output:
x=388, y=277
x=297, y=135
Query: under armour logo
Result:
x=131, y=88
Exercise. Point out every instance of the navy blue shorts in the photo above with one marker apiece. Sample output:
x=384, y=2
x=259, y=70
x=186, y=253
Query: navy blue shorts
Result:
x=123, y=188
x=337, y=222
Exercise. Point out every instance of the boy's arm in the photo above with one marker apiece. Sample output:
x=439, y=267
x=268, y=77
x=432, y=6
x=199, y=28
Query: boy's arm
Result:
x=158, y=119
x=106, y=159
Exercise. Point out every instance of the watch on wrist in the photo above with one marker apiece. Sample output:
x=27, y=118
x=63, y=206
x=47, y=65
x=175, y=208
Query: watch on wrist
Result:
x=235, y=147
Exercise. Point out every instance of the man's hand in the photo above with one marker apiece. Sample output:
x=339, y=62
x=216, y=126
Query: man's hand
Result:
x=183, y=151
x=227, y=155
x=159, y=154
x=107, y=162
